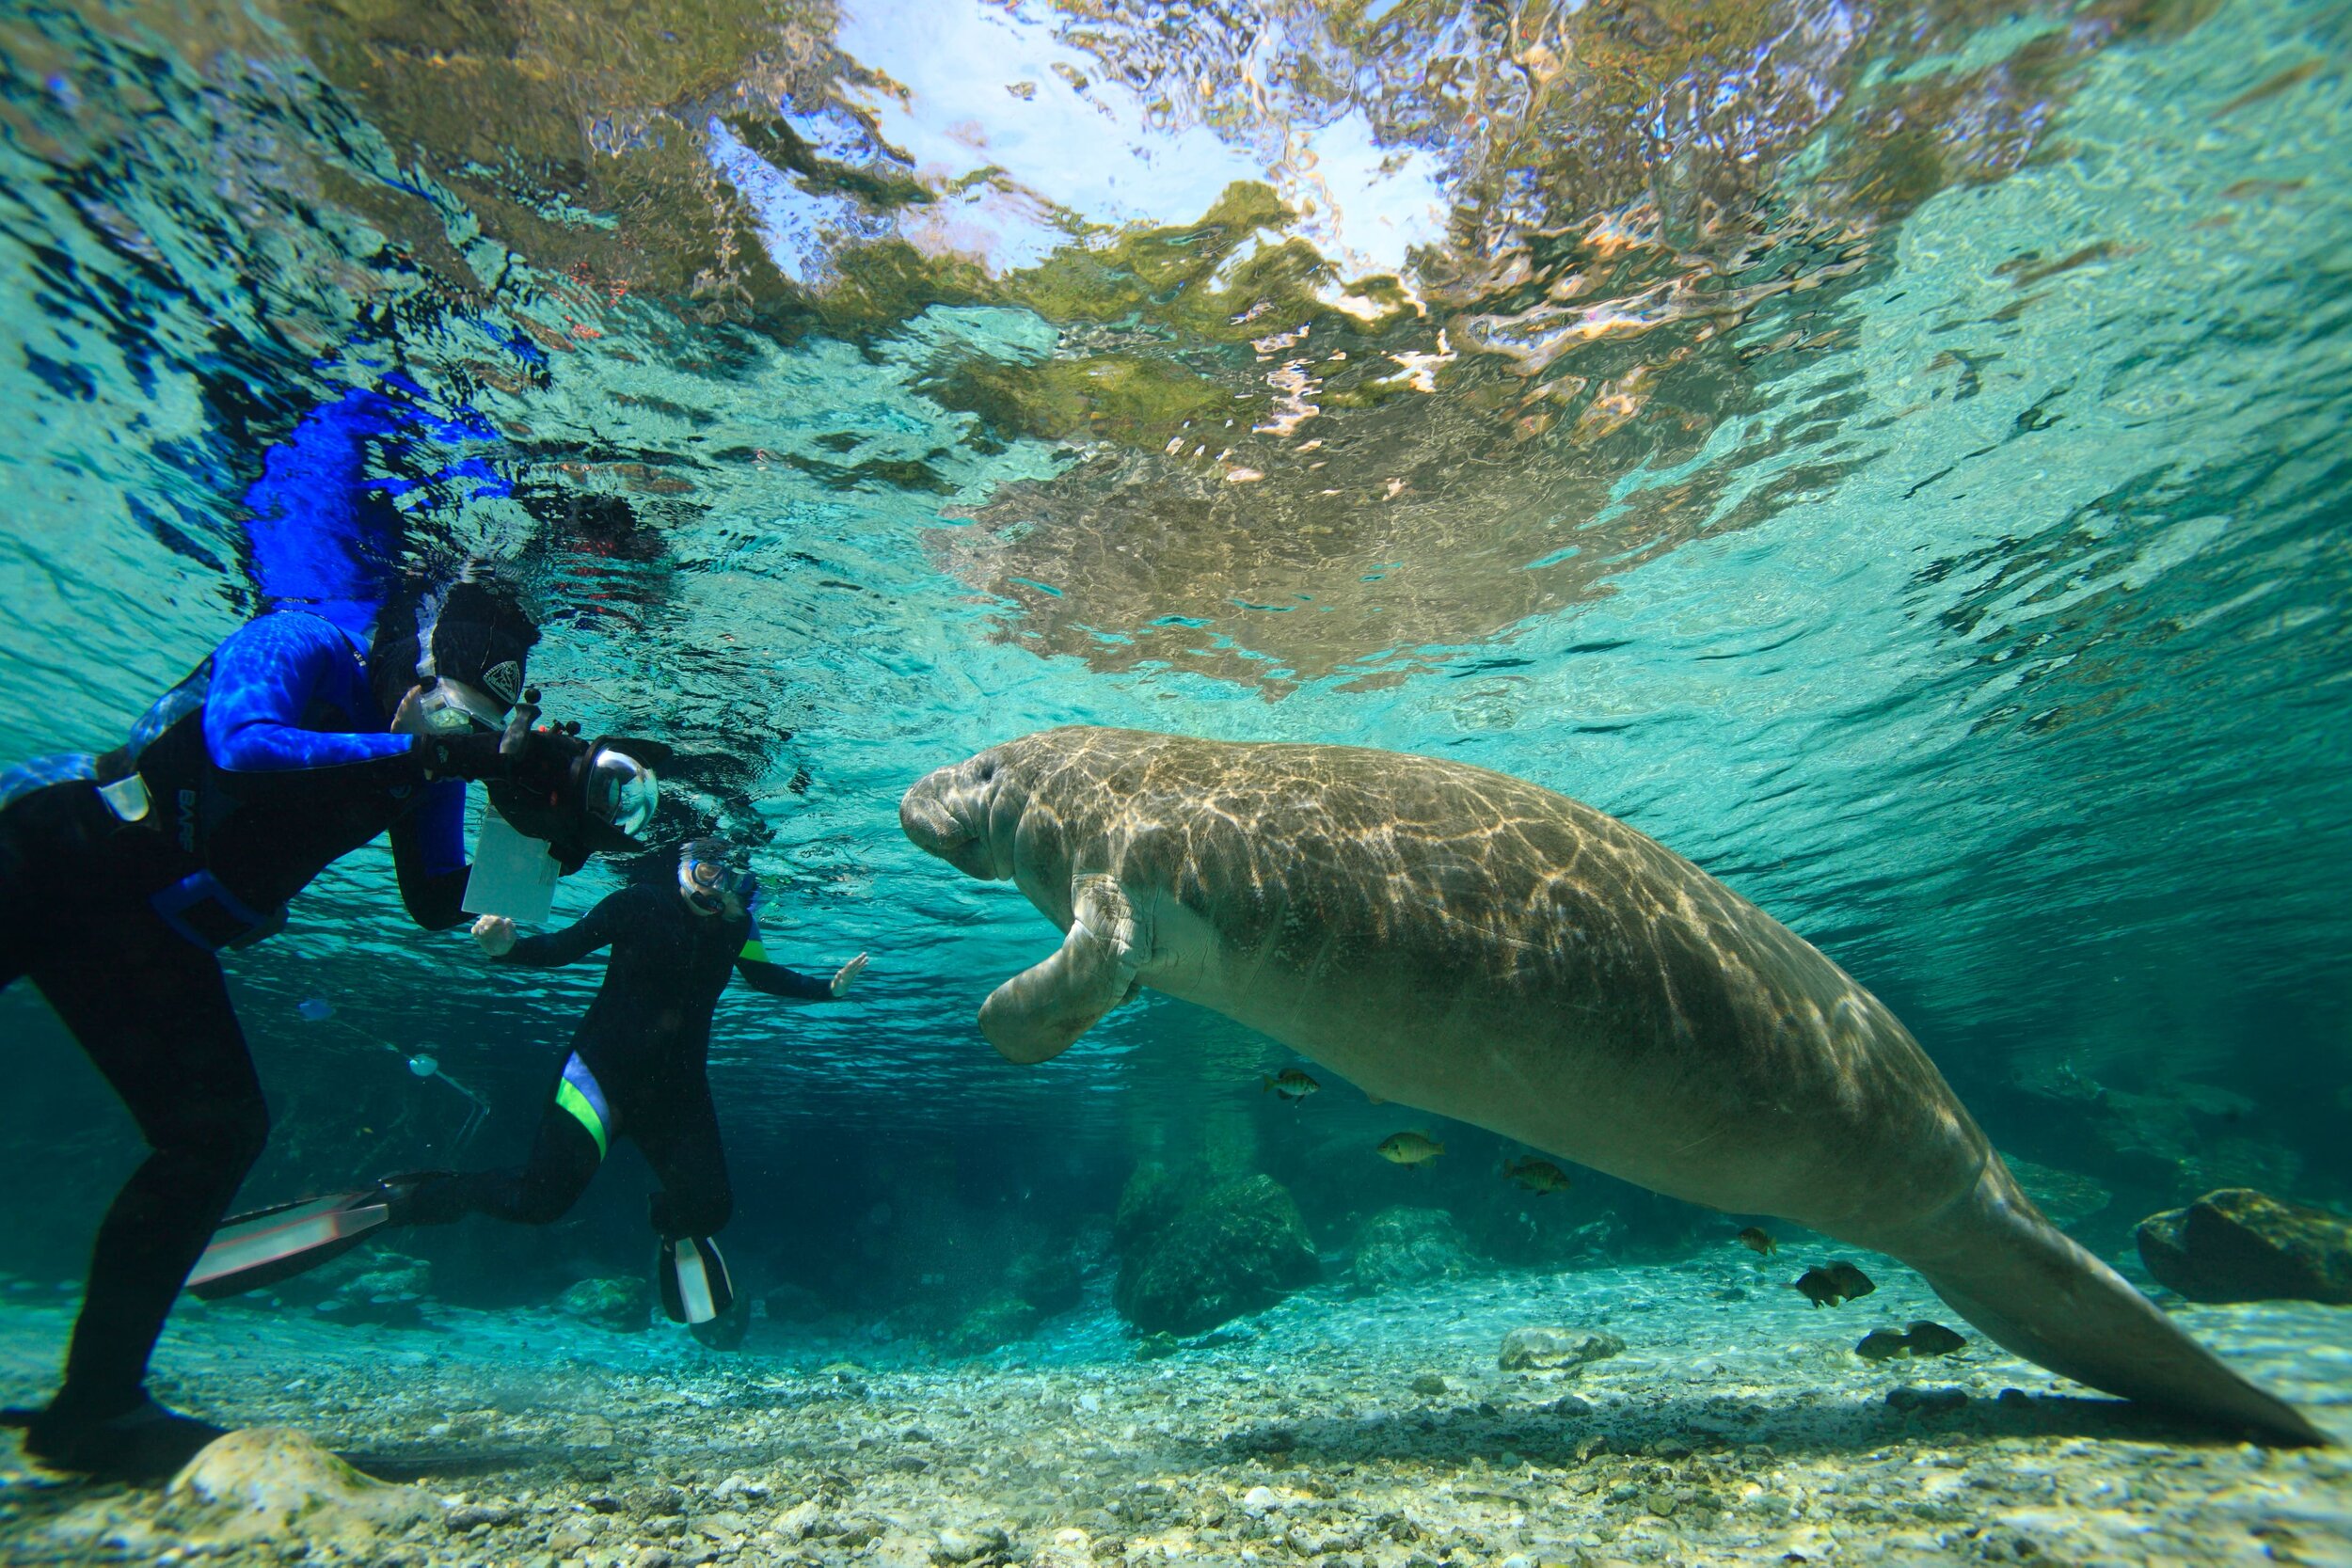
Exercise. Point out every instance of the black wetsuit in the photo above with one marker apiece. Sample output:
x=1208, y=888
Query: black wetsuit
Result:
x=262, y=768
x=638, y=1068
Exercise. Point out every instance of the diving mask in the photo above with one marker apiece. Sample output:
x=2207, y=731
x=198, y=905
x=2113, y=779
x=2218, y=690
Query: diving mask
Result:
x=711, y=886
x=620, y=791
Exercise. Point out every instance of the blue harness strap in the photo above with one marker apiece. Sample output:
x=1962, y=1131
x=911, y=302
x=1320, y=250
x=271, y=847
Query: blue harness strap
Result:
x=202, y=912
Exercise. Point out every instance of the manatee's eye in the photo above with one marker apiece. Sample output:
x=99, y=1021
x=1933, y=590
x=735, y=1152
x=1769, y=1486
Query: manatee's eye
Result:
x=985, y=771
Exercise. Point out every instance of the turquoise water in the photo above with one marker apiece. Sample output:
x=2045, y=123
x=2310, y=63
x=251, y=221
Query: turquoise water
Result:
x=1894, y=457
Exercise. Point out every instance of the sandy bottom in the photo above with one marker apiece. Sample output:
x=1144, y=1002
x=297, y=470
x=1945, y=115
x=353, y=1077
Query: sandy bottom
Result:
x=1373, y=1433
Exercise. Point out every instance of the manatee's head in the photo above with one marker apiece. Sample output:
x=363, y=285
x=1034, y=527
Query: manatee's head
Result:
x=962, y=814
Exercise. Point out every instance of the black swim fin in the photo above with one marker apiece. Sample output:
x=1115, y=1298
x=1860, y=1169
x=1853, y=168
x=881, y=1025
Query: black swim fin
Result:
x=266, y=1245
x=694, y=1279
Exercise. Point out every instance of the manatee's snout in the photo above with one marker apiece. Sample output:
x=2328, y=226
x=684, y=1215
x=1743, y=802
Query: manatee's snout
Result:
x=946, y=814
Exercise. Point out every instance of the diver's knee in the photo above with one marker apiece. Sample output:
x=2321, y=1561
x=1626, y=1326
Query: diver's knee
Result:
x=544, y=1205
x=247, y=1132
x=225, y=1138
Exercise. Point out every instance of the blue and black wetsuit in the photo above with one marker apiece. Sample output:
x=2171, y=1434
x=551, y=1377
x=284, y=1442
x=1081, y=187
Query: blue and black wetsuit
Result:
x=243, y=784
x=637, y=1066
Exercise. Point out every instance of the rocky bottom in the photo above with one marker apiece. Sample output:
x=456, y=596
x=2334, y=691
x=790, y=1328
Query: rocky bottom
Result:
x=1695, y=1413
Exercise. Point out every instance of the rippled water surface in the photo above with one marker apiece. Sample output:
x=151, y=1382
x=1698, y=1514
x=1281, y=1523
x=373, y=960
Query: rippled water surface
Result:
x=1892, y=453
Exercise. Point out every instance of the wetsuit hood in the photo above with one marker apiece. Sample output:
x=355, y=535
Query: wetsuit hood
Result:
x=472, y=632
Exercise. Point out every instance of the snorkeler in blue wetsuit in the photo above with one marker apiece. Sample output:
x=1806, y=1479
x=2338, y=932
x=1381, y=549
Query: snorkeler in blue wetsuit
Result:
x=638, y=1068
x=121, y=876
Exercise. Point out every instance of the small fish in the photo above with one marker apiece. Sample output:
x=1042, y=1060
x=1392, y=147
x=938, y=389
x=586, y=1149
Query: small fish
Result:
x=1883, y=1344
x=1536, y=1176
x=1291, y=1084
x=1832, y=1286
x=1852, y=1282
x=1409, y=1148
x=1756, y=1239
x=1927, y=1339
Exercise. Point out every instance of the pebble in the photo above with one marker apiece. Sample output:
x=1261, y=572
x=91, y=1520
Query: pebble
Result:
x=1328, y=1449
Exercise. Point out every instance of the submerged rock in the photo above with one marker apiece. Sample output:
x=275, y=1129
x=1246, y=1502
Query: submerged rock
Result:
x=2238, y=1244
x=1234, y=1249
x=1048, y=1281
x=1068, y=1548
x=1408, y=1246
x=2066, y=1198
x=962, y=1545
x=998, y=1320
x=1550, y=1349
x=1153, y=1198
x=622, y=1306
x=390, y=1293
x=274, y=1483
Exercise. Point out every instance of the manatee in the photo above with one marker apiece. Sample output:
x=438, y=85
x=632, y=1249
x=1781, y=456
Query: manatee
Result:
x=1468, y=944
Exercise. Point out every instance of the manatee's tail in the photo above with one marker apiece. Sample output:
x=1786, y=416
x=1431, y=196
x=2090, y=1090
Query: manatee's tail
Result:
x=2012, y=1272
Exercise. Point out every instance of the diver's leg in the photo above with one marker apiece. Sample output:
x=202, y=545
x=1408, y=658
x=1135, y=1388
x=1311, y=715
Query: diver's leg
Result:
x=681, y=1144
x=574, y=1132
x=152, y=1012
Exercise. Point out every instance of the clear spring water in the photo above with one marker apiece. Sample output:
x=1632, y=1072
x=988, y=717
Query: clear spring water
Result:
x=1894, y=455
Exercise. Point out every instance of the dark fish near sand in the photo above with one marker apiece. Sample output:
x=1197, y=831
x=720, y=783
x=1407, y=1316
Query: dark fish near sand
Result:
x=1924, y=1338
x=1291, y=1084
x=1835, y=1284
x=1536, y=1176
x=1928, y=1339
x=1758, y=1240
x=1411, y=1149
x=1883, y=1344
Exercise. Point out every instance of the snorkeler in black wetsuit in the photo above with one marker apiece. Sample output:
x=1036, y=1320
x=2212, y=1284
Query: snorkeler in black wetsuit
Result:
x=638, y=1068
x=121, y=876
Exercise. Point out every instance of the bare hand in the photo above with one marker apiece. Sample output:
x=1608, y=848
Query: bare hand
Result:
x=845, y=976
x=495, y=933
x=405, y=718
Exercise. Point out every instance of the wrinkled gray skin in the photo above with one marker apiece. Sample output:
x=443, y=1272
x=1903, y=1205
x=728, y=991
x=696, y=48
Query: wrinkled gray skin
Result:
x=1468, y=944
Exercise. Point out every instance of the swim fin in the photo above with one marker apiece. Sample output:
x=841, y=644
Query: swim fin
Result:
x=267, y=1245
x=694, y=1279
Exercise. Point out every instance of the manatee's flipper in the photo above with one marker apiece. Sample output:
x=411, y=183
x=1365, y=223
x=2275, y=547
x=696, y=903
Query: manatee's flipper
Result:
x=2007, y=1269
x=1038, y=1012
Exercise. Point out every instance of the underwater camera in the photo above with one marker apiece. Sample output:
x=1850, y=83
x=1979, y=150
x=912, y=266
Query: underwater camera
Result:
x=580, y=797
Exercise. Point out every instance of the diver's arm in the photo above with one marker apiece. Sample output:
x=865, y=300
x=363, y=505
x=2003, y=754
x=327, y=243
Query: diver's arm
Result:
x=592, y=931
x=429, y=856
x=790, y=984
x=265, y=677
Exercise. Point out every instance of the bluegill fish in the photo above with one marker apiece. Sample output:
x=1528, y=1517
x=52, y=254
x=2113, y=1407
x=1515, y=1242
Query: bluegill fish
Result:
x=1291, y=1084
x=1536, y=1176
x=1411, y=1149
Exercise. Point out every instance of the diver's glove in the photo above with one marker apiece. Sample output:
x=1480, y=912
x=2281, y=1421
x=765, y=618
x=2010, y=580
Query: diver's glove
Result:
x=539, y=760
